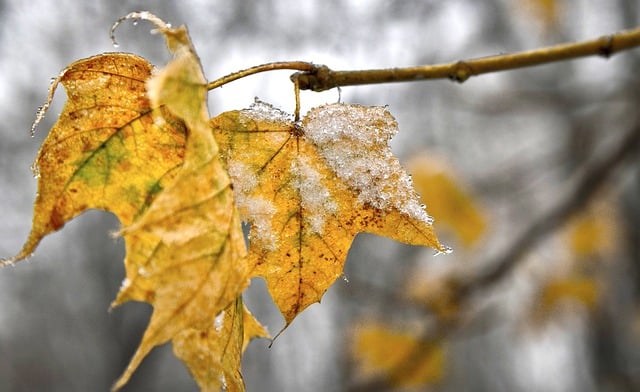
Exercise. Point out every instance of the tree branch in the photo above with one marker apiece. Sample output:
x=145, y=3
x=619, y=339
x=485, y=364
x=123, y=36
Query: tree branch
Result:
x=579, y=192
x=322, y=78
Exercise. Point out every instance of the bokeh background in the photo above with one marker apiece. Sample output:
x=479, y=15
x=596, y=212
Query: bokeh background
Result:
x=564, y=318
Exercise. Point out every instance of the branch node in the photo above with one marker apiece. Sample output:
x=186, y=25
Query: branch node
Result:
x=461, y=72
x=319, y=79
x=606, y=49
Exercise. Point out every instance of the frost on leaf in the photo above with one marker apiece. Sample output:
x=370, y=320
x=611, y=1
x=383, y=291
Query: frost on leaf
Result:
x=309, y=188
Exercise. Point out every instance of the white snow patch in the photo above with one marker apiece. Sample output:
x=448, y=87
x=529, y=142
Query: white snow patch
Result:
x=315, y=198
x=255, y=210
x=262, y=111
x=218, y=322
x=223, y=382
x=125, y=284
x=243, y=178
x=354, y=140
x=259, y=212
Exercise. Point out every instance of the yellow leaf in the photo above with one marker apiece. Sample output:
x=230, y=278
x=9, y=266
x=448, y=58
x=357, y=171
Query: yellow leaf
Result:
x=592, y=231
x=252, y=329
x=111, y=149
x=403, y=359
x=584, y=290
x=547, y=11
x=308, y=189
x=186, y=254
x=108, y=149
x=213, y=355
x=454, y=208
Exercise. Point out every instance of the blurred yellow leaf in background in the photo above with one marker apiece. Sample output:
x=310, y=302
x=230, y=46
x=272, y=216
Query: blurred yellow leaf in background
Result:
x=453, y=207
x=401, y=357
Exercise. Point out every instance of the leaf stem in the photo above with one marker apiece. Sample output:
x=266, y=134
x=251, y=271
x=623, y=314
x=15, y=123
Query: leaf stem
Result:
x=302, y=66
x=323, y=78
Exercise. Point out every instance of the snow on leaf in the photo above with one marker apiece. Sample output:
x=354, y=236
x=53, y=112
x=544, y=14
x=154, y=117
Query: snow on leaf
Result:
x=324, y=180
x=354, y=142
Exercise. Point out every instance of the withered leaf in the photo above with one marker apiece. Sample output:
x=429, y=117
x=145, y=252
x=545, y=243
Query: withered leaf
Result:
x=186, y=253
x=108, y=149
x=213, y=355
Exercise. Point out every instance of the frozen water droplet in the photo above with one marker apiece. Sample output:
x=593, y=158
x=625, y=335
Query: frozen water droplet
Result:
x=35, y=170
x=135, y=22
x=424, y=207
x=344, y=277
x=218, y=322
x=40, y=112
x=445, y=250
x=116, y=45
x=430, y=219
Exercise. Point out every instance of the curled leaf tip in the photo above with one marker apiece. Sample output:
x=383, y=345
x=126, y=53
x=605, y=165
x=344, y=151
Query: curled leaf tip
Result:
x=6, y=262
x=136, y=16
x=42, y=110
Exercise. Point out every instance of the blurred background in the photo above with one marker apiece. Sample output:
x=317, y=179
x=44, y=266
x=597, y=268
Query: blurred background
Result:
x=496, y=160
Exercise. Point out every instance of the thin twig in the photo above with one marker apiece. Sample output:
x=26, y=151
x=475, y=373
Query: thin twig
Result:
x=280, y=65
x=324, y=78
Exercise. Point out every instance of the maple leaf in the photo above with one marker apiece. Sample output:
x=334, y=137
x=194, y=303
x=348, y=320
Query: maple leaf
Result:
x=107, y=150
x=307, y=189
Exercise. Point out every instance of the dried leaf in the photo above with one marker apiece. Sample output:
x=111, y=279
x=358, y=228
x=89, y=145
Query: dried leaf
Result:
x=402, y=358
x=213, y=355
x=111, y=150
x=308, y=189
x=186, y=253
x=108, y=149
x=252, y=329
